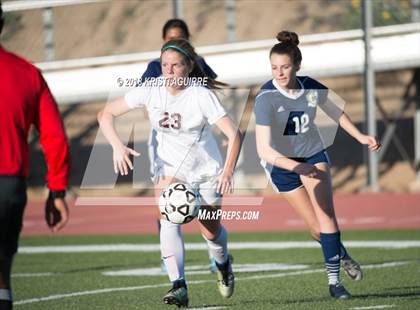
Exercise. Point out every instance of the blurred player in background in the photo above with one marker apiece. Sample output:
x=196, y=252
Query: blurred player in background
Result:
x=24, y=100
x=293, y=154
x=186, y=151
x=173, y=29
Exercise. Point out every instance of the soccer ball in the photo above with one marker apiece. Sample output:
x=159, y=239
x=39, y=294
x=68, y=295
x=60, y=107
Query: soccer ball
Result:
x=179, y=203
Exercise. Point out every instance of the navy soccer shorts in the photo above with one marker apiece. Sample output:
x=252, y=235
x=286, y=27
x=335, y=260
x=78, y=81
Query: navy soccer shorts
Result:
x=285, y=181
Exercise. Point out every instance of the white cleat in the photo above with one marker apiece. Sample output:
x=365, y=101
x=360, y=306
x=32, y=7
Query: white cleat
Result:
x=351, y=268
x=226, y=279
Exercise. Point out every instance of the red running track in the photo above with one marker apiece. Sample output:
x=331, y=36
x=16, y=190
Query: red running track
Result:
x=354, y=211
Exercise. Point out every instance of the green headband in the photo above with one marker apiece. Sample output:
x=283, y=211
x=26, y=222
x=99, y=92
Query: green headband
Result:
x=178, y=49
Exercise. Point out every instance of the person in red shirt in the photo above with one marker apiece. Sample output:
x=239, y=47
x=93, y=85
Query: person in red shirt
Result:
x=24, y=100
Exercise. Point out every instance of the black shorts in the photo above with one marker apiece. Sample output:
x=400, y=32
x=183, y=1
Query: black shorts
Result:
x=12, y=206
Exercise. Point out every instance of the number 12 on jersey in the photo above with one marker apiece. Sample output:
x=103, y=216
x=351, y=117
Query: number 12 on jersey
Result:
x=298, y=122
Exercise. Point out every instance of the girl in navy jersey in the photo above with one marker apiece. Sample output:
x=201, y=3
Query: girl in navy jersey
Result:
x=175, y=29
x=293, y=152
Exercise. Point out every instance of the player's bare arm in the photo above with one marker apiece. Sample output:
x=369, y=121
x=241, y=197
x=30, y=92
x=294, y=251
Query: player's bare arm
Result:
x=225, y=124
x=121, y=153
x=273, y=157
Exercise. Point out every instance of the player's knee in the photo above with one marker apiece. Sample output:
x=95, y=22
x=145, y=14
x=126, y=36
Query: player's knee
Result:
x=315, y=233
x=314, y=230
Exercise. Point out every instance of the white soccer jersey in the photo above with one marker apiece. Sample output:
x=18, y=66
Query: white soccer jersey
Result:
x=186, y=147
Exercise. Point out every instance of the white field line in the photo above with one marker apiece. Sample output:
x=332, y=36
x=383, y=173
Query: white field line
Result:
x=373, y=307
x=208, y=308
x=190, y=270
x=142, y=287
x=294, y=273
x=398, y=244
x=204, y=269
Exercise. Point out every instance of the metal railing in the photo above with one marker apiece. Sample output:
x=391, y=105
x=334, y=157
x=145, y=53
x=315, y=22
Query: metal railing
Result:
x=229, y=48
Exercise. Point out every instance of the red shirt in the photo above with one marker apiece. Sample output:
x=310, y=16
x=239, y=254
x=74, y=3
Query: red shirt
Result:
x=25, y=99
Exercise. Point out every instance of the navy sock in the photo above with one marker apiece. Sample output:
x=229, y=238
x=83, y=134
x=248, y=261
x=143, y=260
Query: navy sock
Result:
x=330, y=244
x=343, y=250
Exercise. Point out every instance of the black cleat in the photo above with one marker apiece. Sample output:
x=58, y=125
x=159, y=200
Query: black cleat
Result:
x=338, y=291
x=177, y=295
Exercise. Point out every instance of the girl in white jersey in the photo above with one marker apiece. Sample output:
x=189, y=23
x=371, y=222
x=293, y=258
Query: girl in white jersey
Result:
x=187, y=151
x=173, y=29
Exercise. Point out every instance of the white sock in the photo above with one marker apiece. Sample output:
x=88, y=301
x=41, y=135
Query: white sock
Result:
x=6, y=294
x=218, y=246
x=172, y=249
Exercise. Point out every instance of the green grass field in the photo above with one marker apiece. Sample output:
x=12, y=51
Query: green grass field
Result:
x=76, y=280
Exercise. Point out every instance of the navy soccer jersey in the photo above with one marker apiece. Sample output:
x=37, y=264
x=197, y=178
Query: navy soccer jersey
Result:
x=291, y=118
x=154, y=69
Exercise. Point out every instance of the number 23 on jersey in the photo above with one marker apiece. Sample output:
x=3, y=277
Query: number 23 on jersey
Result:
x=172, y=120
